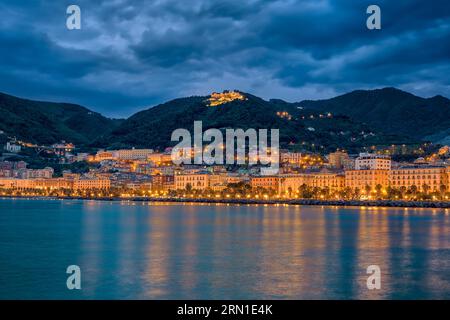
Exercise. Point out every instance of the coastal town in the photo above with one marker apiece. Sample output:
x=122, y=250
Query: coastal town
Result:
x=147, y=173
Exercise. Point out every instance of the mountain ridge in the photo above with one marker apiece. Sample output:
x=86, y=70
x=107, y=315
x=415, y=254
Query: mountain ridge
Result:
x=49, y=122
x=390, y=110
x=359, y=118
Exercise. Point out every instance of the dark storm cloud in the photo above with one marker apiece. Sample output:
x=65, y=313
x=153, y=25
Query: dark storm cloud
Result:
x=133, y=54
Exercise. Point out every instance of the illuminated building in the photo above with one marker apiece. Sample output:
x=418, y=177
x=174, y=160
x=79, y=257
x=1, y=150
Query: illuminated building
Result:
x=431, y=176
x=87, y=183
x=331, y=180
x=372, y=162
x=225, y=97
x=132, y=154
x=359, y=179
x=163, y=182
x=292, y=182
x=338, y=159
x=197, y=181
x=266, y=182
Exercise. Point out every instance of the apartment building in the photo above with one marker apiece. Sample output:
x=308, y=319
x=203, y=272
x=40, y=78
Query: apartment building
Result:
x=292, y=182
x=372, y=162
x=359, y=179
x=338, y=159
x=266, y=182
x=132, y=154
x=432, y=177
x=331, y=180
x=85, y=184
x=197, y=181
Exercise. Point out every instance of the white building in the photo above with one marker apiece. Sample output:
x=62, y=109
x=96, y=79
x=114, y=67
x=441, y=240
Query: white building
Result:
x=369, y=161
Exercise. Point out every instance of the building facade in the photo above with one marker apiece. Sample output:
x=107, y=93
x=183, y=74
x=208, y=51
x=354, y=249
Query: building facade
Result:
x=430, y=178
x=360, y=179
x=373, y=162
x=196, y=181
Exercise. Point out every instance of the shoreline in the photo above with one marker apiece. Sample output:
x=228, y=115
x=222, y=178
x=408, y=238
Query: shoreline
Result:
x=299, y=202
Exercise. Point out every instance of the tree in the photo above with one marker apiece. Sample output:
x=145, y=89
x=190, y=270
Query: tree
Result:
x=378, y=189
x=357, y=194
x=289, y=192
x=425, y=188
x=402, y=191
x=442, y=189
x=305, y=191
x=413, y=190
x=368, y=189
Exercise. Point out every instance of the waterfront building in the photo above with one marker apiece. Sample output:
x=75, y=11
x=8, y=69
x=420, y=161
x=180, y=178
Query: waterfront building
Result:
x=266, y=182
x=53, y=183
x=163, y=182
x=14, y=183
x=91, y=183
x=373, y=162
x=196, y=181
x=429, y=177
x=220, y=181
x=291, y=182
x=334, y=181
x=360, y=179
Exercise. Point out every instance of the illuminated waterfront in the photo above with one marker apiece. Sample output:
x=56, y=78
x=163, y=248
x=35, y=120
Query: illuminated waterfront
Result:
x=144, y=250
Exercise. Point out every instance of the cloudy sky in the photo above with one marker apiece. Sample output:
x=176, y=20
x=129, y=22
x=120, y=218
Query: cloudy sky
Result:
x=133, y=54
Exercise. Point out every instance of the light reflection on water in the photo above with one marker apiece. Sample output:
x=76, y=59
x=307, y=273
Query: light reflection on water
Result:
x=175, y=251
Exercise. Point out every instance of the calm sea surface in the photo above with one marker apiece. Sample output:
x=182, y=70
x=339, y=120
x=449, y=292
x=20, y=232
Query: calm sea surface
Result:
x=173, y=251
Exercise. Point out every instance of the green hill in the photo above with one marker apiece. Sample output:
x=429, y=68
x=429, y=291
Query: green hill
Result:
x=391, y=110
x=306, y=129
x=48, y=122
x=351, y=121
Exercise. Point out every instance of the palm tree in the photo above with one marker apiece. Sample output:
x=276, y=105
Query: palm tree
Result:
x=402, y=191
x=289, y=191
x=378, y=188
x=368, y=189
x=413, y=189
x=357, y=194
x=442, y=189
